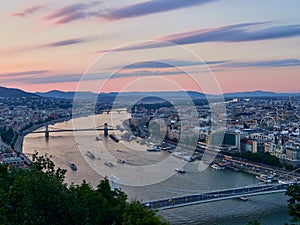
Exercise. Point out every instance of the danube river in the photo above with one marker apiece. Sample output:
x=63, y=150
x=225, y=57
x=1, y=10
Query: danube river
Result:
x=140, y=181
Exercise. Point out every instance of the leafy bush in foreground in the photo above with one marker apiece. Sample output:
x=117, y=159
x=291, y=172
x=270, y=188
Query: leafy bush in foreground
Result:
x=38, y=195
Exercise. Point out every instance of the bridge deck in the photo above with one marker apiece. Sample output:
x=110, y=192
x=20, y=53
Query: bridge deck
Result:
x=73, y=130
x=181, y=201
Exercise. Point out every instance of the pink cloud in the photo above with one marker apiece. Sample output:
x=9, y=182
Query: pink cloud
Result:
x=18, y=14
x=73, y=12
x=27, y=11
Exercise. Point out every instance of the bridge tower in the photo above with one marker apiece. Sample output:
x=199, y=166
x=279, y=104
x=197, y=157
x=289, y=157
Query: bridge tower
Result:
x=105, y=130
x=116, y=180
x=46, y=131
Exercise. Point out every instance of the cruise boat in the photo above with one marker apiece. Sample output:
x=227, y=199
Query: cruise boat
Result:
x=180, y=170
x=153, y=149
x=73, y=166
x=290, y=182
x=282, y=182
x=183, y=156
x=90, y=155
x=217, y=167
x=264, y=178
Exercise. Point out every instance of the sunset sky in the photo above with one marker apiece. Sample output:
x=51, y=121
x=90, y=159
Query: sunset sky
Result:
x=244, y=45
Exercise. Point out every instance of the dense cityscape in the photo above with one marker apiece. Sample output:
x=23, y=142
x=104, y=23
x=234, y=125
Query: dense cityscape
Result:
x=257, y=125
x=150, y=112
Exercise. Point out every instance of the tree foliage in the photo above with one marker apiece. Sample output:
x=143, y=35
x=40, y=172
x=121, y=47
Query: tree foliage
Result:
x=38, y=195
x=259, y=157
x=293, y=192
x=9, y=136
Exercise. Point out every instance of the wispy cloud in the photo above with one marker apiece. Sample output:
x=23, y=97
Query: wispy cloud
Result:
x=266, y=63
x=27, y=11
x=151, y=7
x=74, y=12
x=66, y=78
x=23, y=73
x=66, y=42
x=76, y=77
x=244, y=32
x=170, y=63
x=55, y=44
x=43, y=79
x=86, y=10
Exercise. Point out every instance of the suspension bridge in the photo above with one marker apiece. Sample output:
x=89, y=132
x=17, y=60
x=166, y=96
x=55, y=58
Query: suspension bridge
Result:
x=105, y=128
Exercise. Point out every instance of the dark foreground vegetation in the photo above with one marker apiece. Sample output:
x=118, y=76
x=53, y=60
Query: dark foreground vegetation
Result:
x=38, y=195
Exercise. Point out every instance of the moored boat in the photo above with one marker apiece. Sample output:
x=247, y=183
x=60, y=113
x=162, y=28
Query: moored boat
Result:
x=114, y=138
x=153, y=149
x=243, y=198
x=119, y=160
x=180, y=170
x=73, y=166
x=264, y=178
x=98, y=138
x=109, y=164
x=90, y=155
x=217, y=167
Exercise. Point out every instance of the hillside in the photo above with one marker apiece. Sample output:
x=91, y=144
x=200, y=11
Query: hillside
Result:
x=13, y=92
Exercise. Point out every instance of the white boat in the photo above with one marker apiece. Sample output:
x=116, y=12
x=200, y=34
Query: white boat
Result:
x=264, y=178
x=153, y=149
x=243, y=198
x=119, y=160
x=282, y=182
x=90, y=155
x=177, y=155
x=290, y=182
x=109, y=164
x=180, y=170
x=217, y=167
x=183, y=156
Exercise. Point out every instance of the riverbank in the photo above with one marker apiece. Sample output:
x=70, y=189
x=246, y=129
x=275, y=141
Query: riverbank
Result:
x=18, y=146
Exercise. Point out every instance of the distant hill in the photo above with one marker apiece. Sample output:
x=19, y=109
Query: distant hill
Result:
x=87, y=95
x=164, y=94
x=65, y=95
x=56, y=94
x=13, y=92
x=70, y=95
x=259, y=94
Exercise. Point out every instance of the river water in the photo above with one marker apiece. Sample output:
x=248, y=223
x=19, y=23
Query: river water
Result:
x=69, y=147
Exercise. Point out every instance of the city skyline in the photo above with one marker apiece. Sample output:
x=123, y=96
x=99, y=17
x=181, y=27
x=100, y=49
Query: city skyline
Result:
x=247, y=45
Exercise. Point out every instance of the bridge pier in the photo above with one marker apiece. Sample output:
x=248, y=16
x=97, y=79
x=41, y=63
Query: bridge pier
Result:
x=105, y=130
x=46, y=131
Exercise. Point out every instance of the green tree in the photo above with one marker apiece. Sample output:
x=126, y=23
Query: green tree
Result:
x=136, y=214
x=9, y=136
x=293, y=192
x=38, y=195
